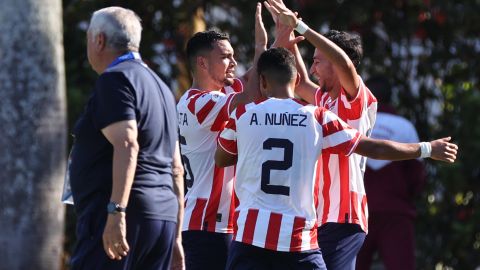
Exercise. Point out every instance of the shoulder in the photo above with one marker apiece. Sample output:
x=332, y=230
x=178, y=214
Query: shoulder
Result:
x=364, y=94
x=111, y=77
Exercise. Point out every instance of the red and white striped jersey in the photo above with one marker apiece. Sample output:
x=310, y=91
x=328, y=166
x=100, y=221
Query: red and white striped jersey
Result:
x=342, y=192
x=208, y=202
x=278, y=142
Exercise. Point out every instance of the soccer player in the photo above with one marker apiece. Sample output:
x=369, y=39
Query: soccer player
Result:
x=203, y=111
x=276, y=142
x=343, y=225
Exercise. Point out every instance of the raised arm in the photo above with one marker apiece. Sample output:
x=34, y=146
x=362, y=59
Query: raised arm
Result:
x=342, y=64
x=440, y=149
x=252, y=88
x=306, y=89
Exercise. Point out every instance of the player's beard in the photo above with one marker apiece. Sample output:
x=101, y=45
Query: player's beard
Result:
x=228, y=81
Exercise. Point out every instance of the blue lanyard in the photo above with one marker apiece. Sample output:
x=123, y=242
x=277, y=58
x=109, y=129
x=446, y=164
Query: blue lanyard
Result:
x=125, y=57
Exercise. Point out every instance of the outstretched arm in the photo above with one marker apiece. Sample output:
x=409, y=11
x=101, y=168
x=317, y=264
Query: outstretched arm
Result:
x=441, y=149
x=342, y=64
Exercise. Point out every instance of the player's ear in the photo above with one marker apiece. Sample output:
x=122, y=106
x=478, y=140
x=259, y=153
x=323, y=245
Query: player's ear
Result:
x=297, y=80
x=263, y=82
x=202, y=62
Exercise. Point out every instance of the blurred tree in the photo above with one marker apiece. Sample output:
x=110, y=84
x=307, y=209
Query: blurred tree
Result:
x=33, y=115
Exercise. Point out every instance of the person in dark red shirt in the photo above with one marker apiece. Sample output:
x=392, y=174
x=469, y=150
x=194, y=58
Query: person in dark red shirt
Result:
x=391, y=188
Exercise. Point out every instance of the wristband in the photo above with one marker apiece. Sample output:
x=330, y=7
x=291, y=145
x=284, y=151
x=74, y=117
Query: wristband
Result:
x=425, y=149
x=301, y=27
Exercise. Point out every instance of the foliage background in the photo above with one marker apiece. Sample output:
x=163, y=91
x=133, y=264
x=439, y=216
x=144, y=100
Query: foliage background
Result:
x=429, y=49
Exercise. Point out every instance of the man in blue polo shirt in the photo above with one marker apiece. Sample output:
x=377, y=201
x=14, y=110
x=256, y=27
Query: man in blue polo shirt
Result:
x=125, y=173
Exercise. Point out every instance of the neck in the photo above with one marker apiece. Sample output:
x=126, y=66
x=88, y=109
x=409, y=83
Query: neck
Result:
x=107, y=59
x=282, y=92
x=334, y=89
x=202, y=82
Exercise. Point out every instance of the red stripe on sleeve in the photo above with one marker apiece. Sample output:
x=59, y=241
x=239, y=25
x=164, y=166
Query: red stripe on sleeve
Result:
x=343, y=149
x=327, y=182
x=250, y=223
x=237, y=85
x=343, y=215
x=197, y=214
x=192, y=102
x=273, y=232
x=356, y=105
x=231, y=124
x=222, y=116
x=210, y=220
x=298, y=226
x=193, y=92
x=318, y=97
x=319, y=114
x=332, y=127
x=240, y=110
x=230, y=146
x=205, y=110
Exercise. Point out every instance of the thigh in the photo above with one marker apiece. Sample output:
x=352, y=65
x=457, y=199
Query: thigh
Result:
x=305, y=260
x=154, y=245
x=247, y=257
x=89, y=253
x=369, y=247
x=340, y=244
x=205, y=250
x=397, y=243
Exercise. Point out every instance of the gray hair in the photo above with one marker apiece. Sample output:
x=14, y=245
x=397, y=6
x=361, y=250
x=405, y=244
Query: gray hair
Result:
x=122, y=28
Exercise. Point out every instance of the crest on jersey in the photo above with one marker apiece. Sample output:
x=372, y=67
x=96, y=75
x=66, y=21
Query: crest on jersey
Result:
x=215, y=97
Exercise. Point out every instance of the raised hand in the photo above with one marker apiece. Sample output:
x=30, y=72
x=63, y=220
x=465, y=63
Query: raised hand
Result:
x=444, y=150
x=260, y=32
x=281, y=13
x=284, y=36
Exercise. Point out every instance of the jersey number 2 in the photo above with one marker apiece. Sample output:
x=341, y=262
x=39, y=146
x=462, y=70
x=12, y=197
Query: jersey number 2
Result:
x=269, y=165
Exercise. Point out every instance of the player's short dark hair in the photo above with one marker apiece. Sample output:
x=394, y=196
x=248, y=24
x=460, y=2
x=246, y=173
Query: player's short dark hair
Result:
x=201, y=42
x=381, y=88
x=351, y=43
x=277, y=64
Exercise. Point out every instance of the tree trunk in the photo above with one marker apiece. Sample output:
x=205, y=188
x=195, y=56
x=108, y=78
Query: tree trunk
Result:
x=33, y=139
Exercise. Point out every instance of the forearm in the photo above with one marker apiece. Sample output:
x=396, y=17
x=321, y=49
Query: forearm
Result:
x=178, y=188
x=306, y=89
x=124, y=166
x=252, y=87
x=387, y=150
x=342, y=64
